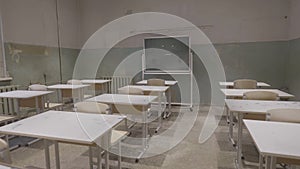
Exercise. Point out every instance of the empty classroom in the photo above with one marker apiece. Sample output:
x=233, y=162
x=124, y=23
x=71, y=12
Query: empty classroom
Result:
x=141, y=84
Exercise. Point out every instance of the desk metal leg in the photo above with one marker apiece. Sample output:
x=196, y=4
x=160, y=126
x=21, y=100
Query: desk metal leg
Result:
x=239, y=141
x=91, y=157
x=57, y=159
x=107, y=144
x=231, y=128
x=43, y=103
x=261, y=161
x=268, y=162
x=159, y=112
x=169, y=103
x=273, y=162
x=106, y=159
x=37, y=105
x=227, y=115
x=145, y=134
x=99, y=158
x=47, y=154
x=59, y=95
x=17, y=108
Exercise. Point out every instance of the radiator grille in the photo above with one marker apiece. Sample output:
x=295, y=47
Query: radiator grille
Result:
x=7, y=105
x=117, y=82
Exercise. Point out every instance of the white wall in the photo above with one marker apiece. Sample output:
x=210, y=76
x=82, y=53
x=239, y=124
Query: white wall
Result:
x=294, y=27
x=70, y=35
x=231, y=20
x=29, y=22
x=34, y=22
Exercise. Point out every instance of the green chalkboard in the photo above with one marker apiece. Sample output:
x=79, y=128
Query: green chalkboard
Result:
x=167, y=54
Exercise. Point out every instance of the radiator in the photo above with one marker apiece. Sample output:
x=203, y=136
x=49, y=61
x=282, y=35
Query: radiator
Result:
x=117, y=82
x=7, y=105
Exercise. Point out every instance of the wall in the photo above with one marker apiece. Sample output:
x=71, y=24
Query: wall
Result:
x=293, y=69
x=251, y=41
x=229, y=21
x=250, y=36
x=31, y=27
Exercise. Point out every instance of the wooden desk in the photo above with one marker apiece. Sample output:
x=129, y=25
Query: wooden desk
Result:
x=68, y=127
x=275, y=139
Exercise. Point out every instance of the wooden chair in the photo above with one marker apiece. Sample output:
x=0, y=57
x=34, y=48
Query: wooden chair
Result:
x=4, y=152
x=245, y=84
x=289, y=116
x=259, y=95
x=156, y=82
x=74, y=82
x=131, y=91
x=70, y=93
x=48, y=105
x=99, y=108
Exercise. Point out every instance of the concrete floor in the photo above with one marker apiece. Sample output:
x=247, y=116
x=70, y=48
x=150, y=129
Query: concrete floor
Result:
x=216, y=153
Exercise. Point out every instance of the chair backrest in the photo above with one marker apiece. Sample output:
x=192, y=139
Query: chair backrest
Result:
x=4, y=152
x=260, y=95
x=156, y=82
x=284, y=115
x=74, y=82
x=91, y=107
x=37, y=87
x=245, y=84
x=131, y=91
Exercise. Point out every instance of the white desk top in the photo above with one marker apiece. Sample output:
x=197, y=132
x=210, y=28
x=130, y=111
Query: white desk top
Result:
x=23, y=94
x=124, y=99
x=67, y=86
x=80, y=128
x=240, y=92
x=147, y=88
x=95, y=81
x=275, y=138
x=259, y=84
x=167, y=82
x=258, y=106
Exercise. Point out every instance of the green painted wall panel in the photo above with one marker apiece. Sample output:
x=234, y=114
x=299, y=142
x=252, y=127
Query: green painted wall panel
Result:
x=293, y=69
x=264, y=61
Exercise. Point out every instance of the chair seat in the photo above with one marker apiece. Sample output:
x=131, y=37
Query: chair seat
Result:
x=117, y=135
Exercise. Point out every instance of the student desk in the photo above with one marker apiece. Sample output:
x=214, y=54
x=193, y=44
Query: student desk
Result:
x=149, y=89
x=99, y=85
x=169, y=93
x=27, y=98
x=231, y=84
x=67, y=127
x=251, y=106
x=167, y=82
x=67, y=90
x=239, y=93
x=134, y=100
x=274, y=139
